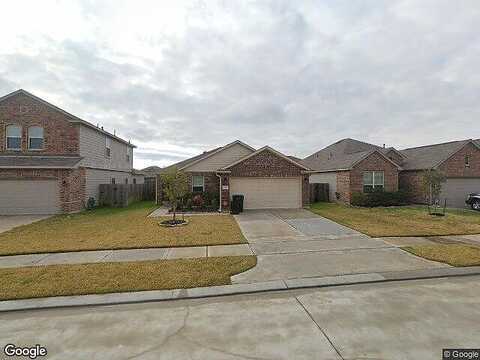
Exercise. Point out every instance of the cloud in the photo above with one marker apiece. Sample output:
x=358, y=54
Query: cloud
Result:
x=294, y=75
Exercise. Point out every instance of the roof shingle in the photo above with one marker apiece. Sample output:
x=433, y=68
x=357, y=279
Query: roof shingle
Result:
x=58, y=162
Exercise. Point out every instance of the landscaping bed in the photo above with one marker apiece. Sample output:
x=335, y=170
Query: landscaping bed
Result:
x=118, y=228
x=400, y=221
x=101, y=278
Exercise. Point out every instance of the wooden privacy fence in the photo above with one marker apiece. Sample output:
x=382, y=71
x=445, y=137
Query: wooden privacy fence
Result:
x=319, y=192
x=150, y=188
x=120, y=195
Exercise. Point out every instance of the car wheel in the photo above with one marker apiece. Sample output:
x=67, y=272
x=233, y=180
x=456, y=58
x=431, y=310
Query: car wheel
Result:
x=476, y=205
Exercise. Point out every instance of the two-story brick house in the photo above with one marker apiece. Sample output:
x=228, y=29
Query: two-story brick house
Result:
x=52, y=161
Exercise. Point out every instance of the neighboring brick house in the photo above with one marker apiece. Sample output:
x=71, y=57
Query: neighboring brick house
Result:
x=459, y=161
x=266, y=177
x=52, y=161
x=350, y=166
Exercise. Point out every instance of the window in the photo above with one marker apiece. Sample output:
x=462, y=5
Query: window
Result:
x=467, y=160
x=129, y=151
x=373, y=181
x=126, y=180
x=113, y=180
x=14, y=137
x=35, y=138
x=108, y=144
x=198, y=183
x=134, y=180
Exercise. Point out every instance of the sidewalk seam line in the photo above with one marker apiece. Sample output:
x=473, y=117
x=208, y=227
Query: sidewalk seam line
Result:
x=319, y=328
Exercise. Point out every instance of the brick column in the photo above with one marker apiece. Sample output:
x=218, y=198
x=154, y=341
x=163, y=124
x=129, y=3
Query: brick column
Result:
x=225, y=192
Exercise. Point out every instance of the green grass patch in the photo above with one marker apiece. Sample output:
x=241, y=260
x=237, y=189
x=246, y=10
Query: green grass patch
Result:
x=452, y=254
x=101, y=278
x=400, y=221
x=117, y=228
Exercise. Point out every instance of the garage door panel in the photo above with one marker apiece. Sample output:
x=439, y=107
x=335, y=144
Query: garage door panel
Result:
x=29, y=197
x=268, y=193
x=455, y=190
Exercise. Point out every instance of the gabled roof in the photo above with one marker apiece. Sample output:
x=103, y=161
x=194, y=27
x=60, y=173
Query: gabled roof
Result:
x=213, y=152
x=151, y=170
x=431, y=156
x=72, y=118
x=39, y=162
x=188, y=161
x=267, y=148
x=181, y=165
x=342, y=155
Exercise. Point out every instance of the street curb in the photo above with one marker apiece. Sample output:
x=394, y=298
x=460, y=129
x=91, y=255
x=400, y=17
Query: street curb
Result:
x=228, y=290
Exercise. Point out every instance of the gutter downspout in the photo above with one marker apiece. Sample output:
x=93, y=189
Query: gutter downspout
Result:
x=220, y=197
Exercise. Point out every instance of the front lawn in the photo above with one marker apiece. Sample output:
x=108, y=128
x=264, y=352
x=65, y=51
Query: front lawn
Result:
x=101, y=278
x=452, y=254
x=400, y=221
x=117, y=228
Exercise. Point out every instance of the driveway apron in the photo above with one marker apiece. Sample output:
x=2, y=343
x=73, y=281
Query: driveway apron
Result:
x=295, y=243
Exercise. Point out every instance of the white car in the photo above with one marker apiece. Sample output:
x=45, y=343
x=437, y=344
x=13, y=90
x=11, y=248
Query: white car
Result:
x=474, y=201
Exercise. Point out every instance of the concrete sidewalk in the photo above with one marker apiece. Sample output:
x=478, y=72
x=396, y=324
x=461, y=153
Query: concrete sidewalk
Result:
x=81, y=257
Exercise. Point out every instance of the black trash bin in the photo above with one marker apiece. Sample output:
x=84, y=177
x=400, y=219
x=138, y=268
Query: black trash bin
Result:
x=240, y=201
x=236, y=207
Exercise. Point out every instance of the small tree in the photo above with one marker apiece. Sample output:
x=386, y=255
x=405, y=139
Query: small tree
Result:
x=432, y=185
x=175, y=185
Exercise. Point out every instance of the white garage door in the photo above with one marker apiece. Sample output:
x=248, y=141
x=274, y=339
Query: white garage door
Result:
x=455, y=190
x=29, y=197
x=268, y=193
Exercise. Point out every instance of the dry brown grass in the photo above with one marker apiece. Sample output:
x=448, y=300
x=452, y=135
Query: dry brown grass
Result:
x=452, y=254
x=109, y=228
x=100, y=278
x=400, y=221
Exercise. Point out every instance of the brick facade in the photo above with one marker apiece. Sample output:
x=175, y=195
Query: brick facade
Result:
x=60, y=136
x=211, y=181
x=374, y=162
x=349, y=182
x=343, y=186
x=455, y=166
x=411, y=181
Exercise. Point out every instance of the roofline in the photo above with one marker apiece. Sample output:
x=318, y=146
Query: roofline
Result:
x=326, y=171
x=216, y=152
x=370, y=153
x=76, y=119
x=469, y=141
x=396, y=151
x=443, y=143
x=338, y=141
x=266, y=147
x=38, y=167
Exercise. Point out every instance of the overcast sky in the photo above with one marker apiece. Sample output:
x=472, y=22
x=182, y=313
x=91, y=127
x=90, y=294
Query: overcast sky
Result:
x=179, y=77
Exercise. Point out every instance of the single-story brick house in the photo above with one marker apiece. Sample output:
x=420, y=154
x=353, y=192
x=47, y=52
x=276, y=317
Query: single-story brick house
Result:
x=350, y=166
x=266, y=177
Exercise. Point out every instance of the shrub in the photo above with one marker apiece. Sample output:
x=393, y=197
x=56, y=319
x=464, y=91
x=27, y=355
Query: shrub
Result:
x=211, y=199
x=90, y=203
x=198, y=201
x=380, y=198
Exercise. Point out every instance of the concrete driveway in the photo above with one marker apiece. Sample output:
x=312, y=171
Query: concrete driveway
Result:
x=296, y=243
x=395, y=321
x=8, y=222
